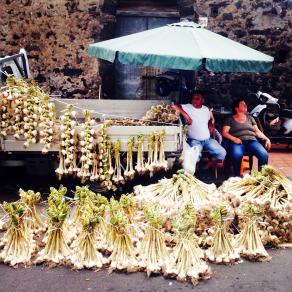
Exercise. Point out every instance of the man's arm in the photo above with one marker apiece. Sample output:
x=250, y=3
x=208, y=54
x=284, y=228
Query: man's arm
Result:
x=179, y=108
x=212, y=119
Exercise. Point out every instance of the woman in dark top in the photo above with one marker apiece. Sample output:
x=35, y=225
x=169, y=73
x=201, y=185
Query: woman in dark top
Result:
x=242, y=132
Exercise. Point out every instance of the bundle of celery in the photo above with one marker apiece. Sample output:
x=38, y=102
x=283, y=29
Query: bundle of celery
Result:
x=87, y=144
x=117, y=175
x=47, y=122
x=18, y=240
x=128, y=204
x=153, y=254
x=31, y=218
x=123, y=255
x=270, y=191
x=106, y=243
x=140, y=166
x=249, y=243
x=82, y=196
x=222, y=250
x=84, y=253
x=269, y=186
x=68, y=143
x=174, y=193
x=85, y=197
x=185, y=262
x=129, y=172
x=56, y=249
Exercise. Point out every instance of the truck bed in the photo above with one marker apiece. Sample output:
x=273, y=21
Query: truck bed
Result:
x=107, y=109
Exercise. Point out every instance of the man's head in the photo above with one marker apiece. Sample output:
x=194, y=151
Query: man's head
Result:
x=198, y=99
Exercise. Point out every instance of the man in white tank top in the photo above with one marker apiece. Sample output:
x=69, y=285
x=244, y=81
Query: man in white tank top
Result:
x=197, y=117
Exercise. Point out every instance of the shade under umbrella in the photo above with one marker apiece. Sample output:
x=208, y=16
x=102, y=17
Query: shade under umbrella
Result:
x=183, y=45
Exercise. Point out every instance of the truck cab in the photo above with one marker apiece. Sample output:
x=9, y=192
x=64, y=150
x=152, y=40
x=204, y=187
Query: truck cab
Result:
x=16, y=65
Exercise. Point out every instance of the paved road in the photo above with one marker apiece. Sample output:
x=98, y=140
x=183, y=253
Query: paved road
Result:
x=250, y=277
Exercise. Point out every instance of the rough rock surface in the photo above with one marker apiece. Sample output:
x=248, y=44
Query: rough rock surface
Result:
x=56, y=34
x=264, y=25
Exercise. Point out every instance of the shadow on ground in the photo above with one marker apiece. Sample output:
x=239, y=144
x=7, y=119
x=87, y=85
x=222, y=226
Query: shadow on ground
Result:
x=248, y=277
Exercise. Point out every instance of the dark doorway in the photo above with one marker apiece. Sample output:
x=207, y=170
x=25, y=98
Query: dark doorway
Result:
x=133, y=82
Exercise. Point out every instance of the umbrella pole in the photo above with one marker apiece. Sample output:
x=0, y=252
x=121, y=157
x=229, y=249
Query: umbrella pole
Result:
x=187, y=83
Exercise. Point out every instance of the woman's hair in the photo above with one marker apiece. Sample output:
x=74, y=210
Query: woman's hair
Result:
x=235, y=104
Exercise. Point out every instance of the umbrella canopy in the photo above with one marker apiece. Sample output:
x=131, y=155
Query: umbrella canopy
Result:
x=183, y=45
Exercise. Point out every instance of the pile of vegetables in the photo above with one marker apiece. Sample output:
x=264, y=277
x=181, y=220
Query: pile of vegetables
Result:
x=87, y=145
x=129, y=171
x=270, y=191
x=26, y=113
x=31, y=218
x=142, y=232
x=68, y=144
x=222, y=249
x=123, y=256
x=157, y=115
x=153, y=253
x=84, y=248
x=56, y=249
x=249, y=243
x=18, y=240
x=175, y=193
x=162, y=113
x=268, y=186
x=185, y=262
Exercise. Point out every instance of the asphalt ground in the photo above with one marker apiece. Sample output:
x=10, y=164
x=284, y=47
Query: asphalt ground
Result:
x=275, y=275
x=246, y=276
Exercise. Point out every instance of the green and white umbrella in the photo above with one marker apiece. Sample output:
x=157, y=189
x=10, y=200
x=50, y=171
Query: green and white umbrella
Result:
x=183, y=45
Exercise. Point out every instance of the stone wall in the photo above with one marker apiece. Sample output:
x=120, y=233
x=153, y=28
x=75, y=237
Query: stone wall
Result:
x=56, y=34
x=264, y=25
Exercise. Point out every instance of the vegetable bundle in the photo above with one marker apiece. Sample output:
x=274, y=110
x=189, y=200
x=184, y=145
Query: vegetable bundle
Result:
x=31, y=218
x=84, y=248
x=222, y=250
x=175, y=193
x=18, y=240
x=26, y=113
x=56, y=249
x=185, y=261
x=153, y=254
x=249, y=243
x=162, y=113
x=270, y=191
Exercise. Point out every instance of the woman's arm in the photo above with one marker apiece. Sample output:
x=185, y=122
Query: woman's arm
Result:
x=183, y=113
x=261, y=135
x=227, y=135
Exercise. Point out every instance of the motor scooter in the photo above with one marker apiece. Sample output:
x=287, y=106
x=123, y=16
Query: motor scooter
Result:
x=275, y=121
